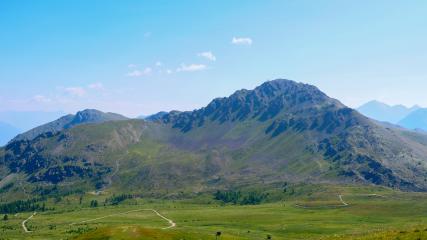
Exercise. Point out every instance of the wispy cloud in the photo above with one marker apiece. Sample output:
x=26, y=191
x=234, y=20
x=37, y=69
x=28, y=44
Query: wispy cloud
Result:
x=159, y=64
x=241, y=41
x=208, y=55
x=96, y=86
x=41, y=99
x=138, y=73
x=132, y=65
x=191, y=67
x=75, y=91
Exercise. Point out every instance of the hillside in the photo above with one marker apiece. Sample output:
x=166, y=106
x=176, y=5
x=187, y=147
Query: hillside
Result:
x=281, y=131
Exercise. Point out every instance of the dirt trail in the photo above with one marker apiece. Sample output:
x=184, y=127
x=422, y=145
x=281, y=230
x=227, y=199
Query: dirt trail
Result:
x=25, y=221
x=172, y=224
x=343, y=203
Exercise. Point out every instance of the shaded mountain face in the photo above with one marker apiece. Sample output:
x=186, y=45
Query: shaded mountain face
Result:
x=7, y=132
x=280, y=131
x=385, y=113
x=68, y=121
x=415, y=120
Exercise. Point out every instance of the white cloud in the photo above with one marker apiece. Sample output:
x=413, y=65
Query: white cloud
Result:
x=168, y=71
x=241, y=41
x=96, y=86
x=191, y=68
x=75, y=91
x=138, y=73
x=208, y=55
x=159, y=64
x=41, y=99
x=131, y=65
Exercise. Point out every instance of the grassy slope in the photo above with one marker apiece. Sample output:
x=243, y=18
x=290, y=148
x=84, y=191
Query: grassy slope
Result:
x=152, y=158
x=397, y=214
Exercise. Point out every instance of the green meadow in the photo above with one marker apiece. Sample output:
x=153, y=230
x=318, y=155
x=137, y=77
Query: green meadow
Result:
x=361, y=213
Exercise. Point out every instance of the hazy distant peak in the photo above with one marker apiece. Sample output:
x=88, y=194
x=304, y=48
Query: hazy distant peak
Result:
x=415, y=120
x=384, y=112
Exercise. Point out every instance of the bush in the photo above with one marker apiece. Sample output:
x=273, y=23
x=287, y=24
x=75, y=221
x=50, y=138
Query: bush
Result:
x=94, y=203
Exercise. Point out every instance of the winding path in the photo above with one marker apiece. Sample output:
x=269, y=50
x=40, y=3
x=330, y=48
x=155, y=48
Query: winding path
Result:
x=25, y=221
x=172, y=224
x=342, y=201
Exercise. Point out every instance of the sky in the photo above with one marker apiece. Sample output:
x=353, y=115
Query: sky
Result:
x=140, y=57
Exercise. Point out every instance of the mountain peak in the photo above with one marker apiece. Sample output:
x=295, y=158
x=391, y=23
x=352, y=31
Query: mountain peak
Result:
x=269, y=100
x=289, y=87
x=69, y=121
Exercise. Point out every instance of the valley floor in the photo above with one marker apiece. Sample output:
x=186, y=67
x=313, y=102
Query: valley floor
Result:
x=350, y=213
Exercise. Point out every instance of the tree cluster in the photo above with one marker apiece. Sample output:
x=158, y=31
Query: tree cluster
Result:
x=115, y=200
x=22, y=206
x=237, y=197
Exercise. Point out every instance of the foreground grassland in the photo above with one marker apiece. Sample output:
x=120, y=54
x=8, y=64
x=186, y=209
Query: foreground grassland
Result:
x=370, y=214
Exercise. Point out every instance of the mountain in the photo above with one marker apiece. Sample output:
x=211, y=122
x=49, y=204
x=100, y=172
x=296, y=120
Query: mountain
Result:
x=69, y=121
x=281, y=131
x=415, y=120
x=26, y=120
x=7, y=132
x=385, y=113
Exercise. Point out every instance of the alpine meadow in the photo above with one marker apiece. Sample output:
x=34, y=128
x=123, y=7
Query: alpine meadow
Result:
x=338, y=153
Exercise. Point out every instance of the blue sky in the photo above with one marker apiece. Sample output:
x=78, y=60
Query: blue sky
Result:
x=140, y=57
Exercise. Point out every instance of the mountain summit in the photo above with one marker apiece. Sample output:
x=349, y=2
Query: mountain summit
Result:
x=281, y=131
x=270, y=100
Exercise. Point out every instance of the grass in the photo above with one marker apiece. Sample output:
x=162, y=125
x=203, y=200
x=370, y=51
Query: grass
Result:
x=388, y=215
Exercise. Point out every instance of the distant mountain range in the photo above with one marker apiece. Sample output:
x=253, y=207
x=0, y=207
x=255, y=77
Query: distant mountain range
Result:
x=281, y=131
x=7, y=132
x=414, y=118
x=15, y=122
x=26, y=120
x=384, y=112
